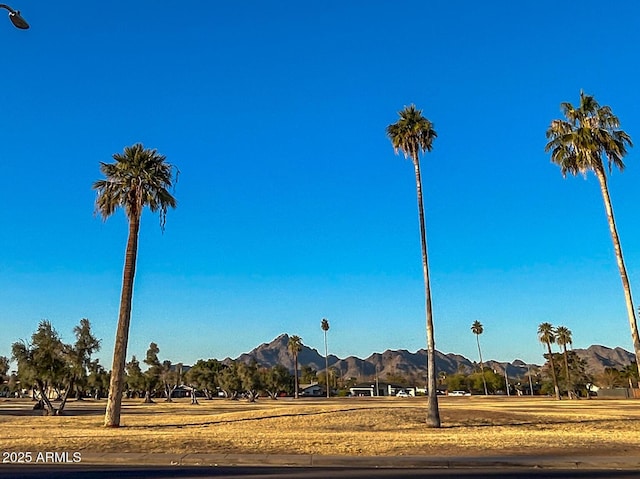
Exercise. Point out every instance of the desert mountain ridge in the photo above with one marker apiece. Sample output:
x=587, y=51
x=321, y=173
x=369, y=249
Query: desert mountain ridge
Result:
x=407, y=364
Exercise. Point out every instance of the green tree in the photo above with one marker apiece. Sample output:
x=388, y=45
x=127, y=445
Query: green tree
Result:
x=547, y=336
x=563, y=337
x=153, y=374
x=308, y=375
x=79, y=356
x=98, y=379
x=135, y=379
x=630, y=372
x=250, y=379
x=43, y=363
x=230, y=381
x=276, y=379
x=295, y=346
x=477, y=329
x=171, y=377
x=413, y=134
x=578, y=144
x=324, y=325
x=4, y=369
x=204, y=376
x=139, y=177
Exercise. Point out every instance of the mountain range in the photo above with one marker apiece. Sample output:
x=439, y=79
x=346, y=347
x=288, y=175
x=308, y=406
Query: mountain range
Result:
x=414, y=365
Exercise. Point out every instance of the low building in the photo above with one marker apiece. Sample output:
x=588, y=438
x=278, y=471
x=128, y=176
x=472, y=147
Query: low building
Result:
x=380, y=389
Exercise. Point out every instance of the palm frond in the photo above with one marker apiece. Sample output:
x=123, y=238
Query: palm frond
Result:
x=139, y=177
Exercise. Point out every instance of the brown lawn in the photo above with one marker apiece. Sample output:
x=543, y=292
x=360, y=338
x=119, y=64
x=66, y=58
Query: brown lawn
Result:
x=346, y=426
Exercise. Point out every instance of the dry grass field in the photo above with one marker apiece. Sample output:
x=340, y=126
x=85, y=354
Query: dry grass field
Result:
x=347, y=426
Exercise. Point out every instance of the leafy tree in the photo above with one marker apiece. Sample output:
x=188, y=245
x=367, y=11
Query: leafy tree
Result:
x=630, y=373
x=324, y=325
x=477, y=329
x=153, y=373
x=171, y=377
x=458, y=382
x=98, y=379
x=579, y=144
x=80, y=356
x=563, y=337
x=250, y=380
x=610, y=378
x=276, y=380
x=42, y=363
x=413, y=134
x=295, y=346
x=204, y=376
x=547, y=336
x=308, y=375
x=139, y=177
x=230, y=381
x=4, y=369
x=135, y=379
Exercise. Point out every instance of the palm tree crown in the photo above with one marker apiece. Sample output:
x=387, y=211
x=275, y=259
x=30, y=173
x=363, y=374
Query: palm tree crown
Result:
x=139, y=177
x=590, y=131
x=563, y=336
x=412, y=133
x=546, y=333
x=476, y=328
x=324, y=324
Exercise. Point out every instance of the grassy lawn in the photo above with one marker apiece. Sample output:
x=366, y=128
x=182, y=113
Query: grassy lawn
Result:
x=346, y=426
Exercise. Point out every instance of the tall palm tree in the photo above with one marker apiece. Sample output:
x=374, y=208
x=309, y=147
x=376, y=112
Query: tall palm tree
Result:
x=295, y=346
x=413, y=134
x=547, y=335
x=578, y=145
x=477, y=329
x=324, y=324
x=139, y=177
x=563, y=337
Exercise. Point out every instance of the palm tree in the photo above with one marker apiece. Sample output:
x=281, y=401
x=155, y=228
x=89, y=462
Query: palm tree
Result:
x=563, y=337
x=295, y=346
x=547, y=335
x=324, y=324
x=413, y=134
x=139, y=177
x=477, y=329
x=578, y=145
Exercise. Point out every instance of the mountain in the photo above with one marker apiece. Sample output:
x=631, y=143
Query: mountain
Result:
x=414, y=365
x=390, y=362
x=600, y=357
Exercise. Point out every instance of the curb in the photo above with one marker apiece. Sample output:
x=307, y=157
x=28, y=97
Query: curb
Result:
x=398, y=462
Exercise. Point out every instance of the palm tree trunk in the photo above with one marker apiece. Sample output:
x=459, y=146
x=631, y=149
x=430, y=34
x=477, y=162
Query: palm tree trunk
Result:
x=566, y=371
x=114, y=402
x=600, y=173
x=295, y=392
x=326, y=363
x=553, y=372
x=484, y=382
x=433, y=414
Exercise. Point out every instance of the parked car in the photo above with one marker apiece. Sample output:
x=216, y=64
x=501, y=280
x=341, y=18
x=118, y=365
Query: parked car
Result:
x=402, y=394
x=459, y=393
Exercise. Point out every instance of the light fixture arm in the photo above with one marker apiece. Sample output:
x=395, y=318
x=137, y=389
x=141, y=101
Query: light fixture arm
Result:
x=15, y=17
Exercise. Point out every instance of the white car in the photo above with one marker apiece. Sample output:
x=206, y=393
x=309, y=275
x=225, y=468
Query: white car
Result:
x=459, y=393
x=402, y=394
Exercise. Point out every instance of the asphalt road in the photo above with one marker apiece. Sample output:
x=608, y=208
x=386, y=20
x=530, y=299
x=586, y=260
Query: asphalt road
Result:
x=135, y=472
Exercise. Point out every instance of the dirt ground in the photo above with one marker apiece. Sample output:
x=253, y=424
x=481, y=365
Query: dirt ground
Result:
x=472, y=426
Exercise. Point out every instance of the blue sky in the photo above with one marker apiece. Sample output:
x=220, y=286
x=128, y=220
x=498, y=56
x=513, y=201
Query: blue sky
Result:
x=292, y=204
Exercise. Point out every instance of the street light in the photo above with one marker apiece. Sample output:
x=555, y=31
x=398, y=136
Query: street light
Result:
x=15, y=17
